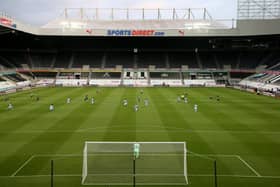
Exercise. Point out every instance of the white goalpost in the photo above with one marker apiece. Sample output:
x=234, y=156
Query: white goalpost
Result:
x=138, y=163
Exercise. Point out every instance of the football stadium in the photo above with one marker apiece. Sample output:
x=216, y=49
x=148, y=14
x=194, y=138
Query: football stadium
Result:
x=141, y=97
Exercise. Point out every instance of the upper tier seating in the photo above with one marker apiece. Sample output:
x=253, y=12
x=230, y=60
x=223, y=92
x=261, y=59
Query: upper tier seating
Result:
x=245, y=60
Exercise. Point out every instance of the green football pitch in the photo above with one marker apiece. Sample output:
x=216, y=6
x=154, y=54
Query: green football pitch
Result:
x=241, y=132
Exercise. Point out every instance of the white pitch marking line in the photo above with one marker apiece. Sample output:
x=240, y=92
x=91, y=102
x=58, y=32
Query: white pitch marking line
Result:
x=99, y=130
x=192, y=175
x=22, y=166
x=237, y=176
x=212, y=155
x=30, y=176
x=249, y=166
x=75, y=155
x=58, y=155
x=109, y=154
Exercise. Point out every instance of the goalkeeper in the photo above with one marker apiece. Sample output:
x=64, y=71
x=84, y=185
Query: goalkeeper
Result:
x=136, y=150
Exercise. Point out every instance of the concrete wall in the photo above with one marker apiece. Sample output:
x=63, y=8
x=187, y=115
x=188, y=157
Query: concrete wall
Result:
x=258, y=27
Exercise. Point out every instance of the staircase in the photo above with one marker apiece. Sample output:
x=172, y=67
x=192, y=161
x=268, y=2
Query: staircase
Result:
x=275, y=79
x=8, y=80
x=26, y=77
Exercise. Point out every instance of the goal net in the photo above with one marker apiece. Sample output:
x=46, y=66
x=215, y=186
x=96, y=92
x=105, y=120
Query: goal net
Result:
x=140, y=163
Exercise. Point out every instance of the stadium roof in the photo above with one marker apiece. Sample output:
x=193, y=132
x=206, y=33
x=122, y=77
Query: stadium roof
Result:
x=144, y=22
x=143, y=19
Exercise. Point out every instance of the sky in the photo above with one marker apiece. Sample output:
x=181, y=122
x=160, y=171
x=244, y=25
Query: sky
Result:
x=40, y=12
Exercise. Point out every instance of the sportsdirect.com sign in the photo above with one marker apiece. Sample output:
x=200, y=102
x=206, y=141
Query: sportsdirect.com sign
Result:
x=134, y=33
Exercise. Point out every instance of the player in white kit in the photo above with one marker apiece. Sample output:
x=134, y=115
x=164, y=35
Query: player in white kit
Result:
x=195, y=107
x=51, y=107
x=92, y=100
x=146, y=101
x=10, y=106
x=186, y=100
x=125, y=102
x=136, y=108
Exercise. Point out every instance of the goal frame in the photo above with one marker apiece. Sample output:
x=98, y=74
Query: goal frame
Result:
x=85, y=157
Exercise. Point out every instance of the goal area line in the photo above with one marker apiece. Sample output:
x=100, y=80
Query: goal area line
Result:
x=256, y=174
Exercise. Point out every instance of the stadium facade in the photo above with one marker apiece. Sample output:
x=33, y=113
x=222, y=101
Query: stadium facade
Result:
x=144, y=47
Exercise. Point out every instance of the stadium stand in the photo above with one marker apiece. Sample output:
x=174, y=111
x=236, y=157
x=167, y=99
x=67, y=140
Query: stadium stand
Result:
x=63, y=60
x=5, y=63
x=165, y=75
x=277, y=82
x=14, y=77
x=42, y=60
x=166, y=79
x=66, y=75
x=14, y=59
x=105, y=79
x=174, y=51
x=271, y=59
x=245, y=60
x=106, y=75
x=45, y=75
x=71, y=82
x=151, y=58
x=112, y=59
x=178, y=59
x=250, y=60
x=228, y=58
x=93, y=59
x=267, y=82
x=6, y=86
x=208, y=60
